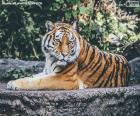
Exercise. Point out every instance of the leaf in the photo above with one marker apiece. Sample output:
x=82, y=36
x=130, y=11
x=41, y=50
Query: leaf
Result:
x=84, y=10
x=73, y=1
x=16, y=76
x=68, y=15
x=60, y=1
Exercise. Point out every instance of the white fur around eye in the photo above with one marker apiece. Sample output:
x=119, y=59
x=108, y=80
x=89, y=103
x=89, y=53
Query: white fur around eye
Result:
x=70, y=36
x=58, y=35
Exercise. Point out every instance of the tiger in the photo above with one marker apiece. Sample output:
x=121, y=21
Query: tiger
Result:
x=72, y=63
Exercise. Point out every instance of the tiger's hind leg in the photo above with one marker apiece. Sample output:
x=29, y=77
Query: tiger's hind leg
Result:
x=51, y=82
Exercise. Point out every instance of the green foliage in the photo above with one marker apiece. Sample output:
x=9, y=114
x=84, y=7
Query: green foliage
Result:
x=109, y=24
x=21, y=26
x=13, y=74
x=19, y=34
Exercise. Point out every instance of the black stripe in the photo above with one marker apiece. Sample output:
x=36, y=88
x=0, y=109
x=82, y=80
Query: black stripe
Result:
x=112, y=72
x=121, y=57
x=82, y=53
x=90, y=63
x=101, y=83
x=111, y=83
x=45, y=40
x=122, y=71
x=117, y=70
x=96, y=66
x=55, y=67
x=91, y=58
x=53, y=62
x=104, y=54
x=110, y=55
x=92, y=55
x=103, y=72
x=123, y=63
x=93, y=66
x=83, y=46
x=99, y=59
x=121, y=75
x=96, y=69
x=86, y=53
x=116, y=62
x=49, y=46
x=67, y=70
x=83, y=65
x=109, y=77
x=49, y=40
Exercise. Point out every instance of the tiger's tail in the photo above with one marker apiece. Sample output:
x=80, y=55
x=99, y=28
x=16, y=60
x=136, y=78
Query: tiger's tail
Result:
x=135, y=70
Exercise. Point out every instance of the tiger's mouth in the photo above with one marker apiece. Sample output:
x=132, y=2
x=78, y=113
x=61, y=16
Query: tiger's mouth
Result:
x=62, y=62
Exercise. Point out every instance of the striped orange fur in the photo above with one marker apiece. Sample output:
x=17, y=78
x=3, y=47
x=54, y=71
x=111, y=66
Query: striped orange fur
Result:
x=72, y=63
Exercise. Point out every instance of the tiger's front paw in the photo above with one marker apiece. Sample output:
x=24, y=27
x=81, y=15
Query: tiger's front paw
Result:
x=18, y=84
x=12, y=85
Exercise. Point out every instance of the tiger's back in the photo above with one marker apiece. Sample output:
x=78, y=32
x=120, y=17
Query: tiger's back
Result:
x=101, y=69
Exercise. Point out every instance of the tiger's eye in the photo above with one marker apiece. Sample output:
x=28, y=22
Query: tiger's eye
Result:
x=57, y=36
x=72, y=51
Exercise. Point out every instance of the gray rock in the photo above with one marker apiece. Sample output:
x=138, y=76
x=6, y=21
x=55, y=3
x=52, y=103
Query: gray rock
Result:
x=132, y=50
x=8, y=64
x=135, y=69
x=123, y=101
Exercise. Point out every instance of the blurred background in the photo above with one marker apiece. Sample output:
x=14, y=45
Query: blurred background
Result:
x=109, y=24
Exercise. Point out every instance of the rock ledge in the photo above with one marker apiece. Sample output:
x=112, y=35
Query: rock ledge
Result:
x=123, y=101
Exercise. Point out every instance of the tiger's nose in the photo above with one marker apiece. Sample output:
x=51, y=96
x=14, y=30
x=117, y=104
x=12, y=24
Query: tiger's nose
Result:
x=64, y=50
x=64, y=53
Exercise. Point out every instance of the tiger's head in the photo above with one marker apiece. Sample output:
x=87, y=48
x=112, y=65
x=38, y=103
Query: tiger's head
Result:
x=62, y=42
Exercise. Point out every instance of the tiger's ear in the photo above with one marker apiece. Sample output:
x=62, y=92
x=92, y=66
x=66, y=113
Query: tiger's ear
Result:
x=49, y=26
x=74, y=25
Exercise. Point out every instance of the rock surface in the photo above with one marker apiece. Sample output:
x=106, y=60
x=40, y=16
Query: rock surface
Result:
x=123, y=101
x=8, y=64
x=132, y=51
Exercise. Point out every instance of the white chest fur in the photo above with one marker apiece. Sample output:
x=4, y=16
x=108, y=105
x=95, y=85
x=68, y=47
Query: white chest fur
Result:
x=51, y=65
